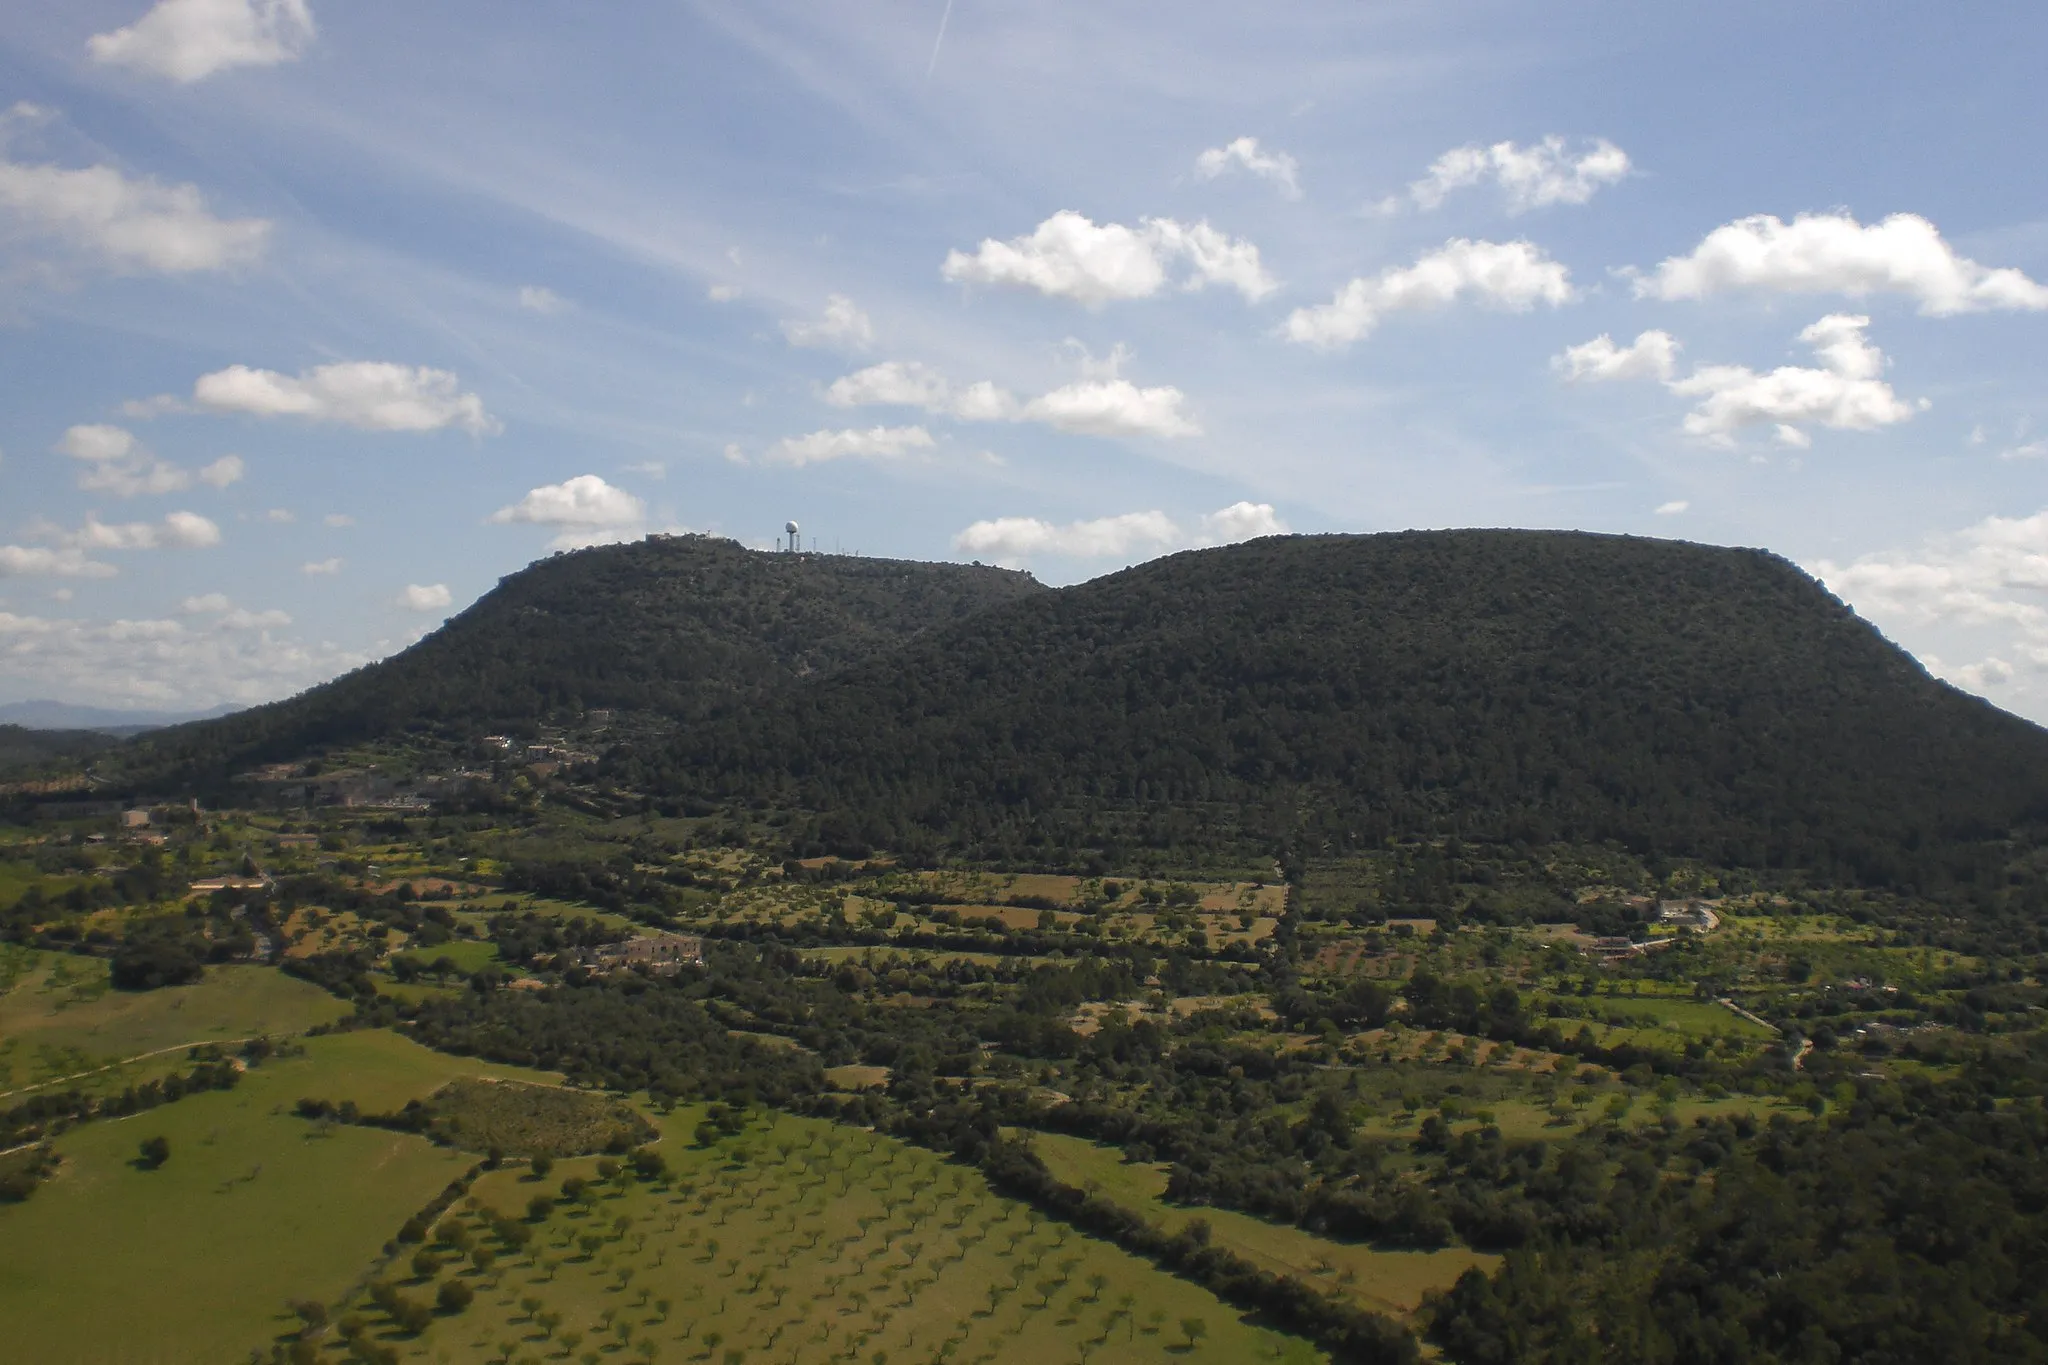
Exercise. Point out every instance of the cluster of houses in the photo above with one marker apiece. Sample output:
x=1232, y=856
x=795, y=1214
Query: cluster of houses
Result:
x=661, y=954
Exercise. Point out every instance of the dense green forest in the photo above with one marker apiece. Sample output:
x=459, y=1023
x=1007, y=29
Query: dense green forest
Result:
x=1326, y=693
x=24, y=751
x=674, y=625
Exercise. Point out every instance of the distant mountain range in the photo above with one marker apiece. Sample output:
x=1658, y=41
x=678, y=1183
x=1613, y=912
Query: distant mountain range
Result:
x=60, y=715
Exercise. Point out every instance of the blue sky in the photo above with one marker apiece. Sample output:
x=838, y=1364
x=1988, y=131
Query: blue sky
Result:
x=316, y=319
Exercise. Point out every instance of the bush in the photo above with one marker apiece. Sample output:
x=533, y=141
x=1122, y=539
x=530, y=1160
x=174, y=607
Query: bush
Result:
x=454, y=1296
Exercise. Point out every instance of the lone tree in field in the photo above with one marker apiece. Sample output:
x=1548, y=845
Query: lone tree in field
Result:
x=454, y=1296
x=1194, y=1329
x=155, y=1152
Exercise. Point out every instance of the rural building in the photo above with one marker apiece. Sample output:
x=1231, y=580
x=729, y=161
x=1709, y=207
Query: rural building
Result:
x=135, y=819
x=1688, y=914
x=660, y=953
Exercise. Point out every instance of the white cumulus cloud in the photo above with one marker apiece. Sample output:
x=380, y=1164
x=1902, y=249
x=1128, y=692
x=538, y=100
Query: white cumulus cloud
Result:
x=584, y=511
x=901, y=383
x=228, y=616
x=425, y=597
x=540, y=299
x=1844, y=393
x=222, y=472
x=1652, y=355
x=1112, y=407
x=176, y=531
x=97, y=442
x=1515, y=276
x=1831, y=253
x=843, y=327
x=45, y=561
x=1533, y=177
x=189, y=40
x=1070, y=256
x=874, y=443
x=1241, y=521
x=164, y=662
x=1244, y=154
x=115, y=462
x=68, y=554
x=321, y=568
x=1101, y=405
x=1983, y=585
x=369, y=394
x=125, y=223
x=1012, y=539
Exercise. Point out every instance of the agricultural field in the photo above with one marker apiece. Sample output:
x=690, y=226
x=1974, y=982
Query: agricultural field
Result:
x=800, y=1241
x=1392, y=1282
x=59, y=1017
x=254, y=1205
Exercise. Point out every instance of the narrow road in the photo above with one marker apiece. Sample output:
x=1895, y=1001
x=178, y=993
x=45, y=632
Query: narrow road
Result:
x=138, y=1057
x=1760, y=1023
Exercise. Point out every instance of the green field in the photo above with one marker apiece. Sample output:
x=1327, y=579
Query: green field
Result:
x=821, y=1242
x=1682, y=1017
x=468, y=955
x=1386, y=1281
x=61, y=1018
x=255, y=1206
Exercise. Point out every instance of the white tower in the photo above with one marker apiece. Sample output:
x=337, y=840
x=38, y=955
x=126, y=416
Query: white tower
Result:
x=791, y=530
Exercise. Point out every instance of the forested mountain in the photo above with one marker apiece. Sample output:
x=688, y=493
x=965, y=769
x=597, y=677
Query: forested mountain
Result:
x=1328, y=692
x=671, y=624
x=23, y=750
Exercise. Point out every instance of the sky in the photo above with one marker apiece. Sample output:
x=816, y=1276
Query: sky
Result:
x=317, y=319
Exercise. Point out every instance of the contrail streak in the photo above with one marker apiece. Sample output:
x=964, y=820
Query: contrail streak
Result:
x=933, y=64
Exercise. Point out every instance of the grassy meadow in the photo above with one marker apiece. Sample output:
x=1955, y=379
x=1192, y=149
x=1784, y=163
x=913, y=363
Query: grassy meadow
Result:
x=1385, y=1281
x=255, y=1205
x=59, y=1016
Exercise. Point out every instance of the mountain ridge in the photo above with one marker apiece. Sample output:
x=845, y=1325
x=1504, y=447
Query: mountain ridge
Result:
x=1535, y=685
x=672, y=624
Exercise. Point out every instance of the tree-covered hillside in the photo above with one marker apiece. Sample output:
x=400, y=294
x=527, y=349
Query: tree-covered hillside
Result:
x=1326, y=693
x=25, y=751
x=671, y=624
